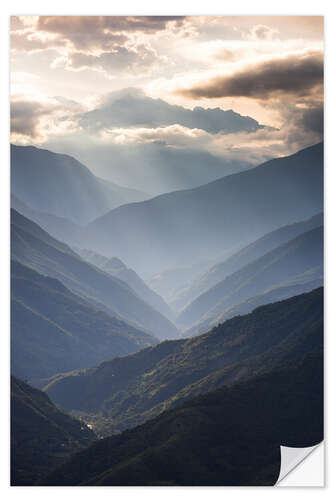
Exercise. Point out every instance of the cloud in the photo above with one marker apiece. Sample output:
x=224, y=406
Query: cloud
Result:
x=172, y=135
x=135, y=59
x=296, y=75
x=84, y=33
x=303, y=124
x=268, y=67
x=312, y=120
x=99, y=43
x=26, y=116
x=129, y=118
x=263, y=32
x=288, y=27
x=69, y=104
x=301, y=127
x=66, y=25
x=38, y=120
x=25, y=41
x=132, y=108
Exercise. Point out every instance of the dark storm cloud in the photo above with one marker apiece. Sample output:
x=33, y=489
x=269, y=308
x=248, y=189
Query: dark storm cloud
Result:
x=132, y=108
x=302, y=124
x=296, y=75
x=25, y=117
x=312, y=119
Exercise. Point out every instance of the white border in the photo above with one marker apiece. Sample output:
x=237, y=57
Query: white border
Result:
x=144, y=7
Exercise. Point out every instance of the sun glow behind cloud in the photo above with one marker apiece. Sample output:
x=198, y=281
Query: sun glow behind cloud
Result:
x=269, y=68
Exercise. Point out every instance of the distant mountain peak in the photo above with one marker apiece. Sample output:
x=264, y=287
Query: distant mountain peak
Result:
x=58, y=184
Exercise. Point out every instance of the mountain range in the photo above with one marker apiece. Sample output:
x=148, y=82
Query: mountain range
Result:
x=60, y=228
x=274, y=294
x=228, y=437
x=294, y=258
x=115, y=267
x=244, y=256
x=53, y=330
x=179, y=228
x=59, y=185
x=126, y=391
x=42, y=436
x=183, y=333
x=34, y=247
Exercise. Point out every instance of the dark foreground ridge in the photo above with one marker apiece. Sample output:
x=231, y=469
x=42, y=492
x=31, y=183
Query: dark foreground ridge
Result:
x=127, y=391
x=230, y=437
x=42, y=437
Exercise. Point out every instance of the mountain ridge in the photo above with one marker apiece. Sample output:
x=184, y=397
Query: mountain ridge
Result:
x=118, y=269
x=229, y=437
x=34, y=247
x=42, y=436
x=277, y=266
x=53, y=330
x=200, y=218
x=124, y=392
x=244, y=256
x=60, y=185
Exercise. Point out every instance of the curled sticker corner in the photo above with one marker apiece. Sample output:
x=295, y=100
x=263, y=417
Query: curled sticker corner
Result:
x=291, y=457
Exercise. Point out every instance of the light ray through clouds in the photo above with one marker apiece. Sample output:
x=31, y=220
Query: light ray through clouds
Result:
x=112, y=82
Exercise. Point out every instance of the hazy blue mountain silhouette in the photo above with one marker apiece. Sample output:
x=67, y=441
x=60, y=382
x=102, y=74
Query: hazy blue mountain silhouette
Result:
x=178, y=228
x=53, y=330
x=117, y=268
x=278, y=266
x=60, y=185
x=236, y=261
x=34, y=247
x=307, y=282
x=173, y=281
x=60, y=228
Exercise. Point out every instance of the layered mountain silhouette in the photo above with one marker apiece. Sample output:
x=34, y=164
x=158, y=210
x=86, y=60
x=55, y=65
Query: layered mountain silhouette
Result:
x=229, y=437
x=60, y=228
x=179, y=228
x=34, y=247
x=42, y=436
x=171, y=282
x=57, y=184
x=241, y=261
x=236, y=261
x=298, y=256
x=117, y=268
x=272, y=295
x=53, y=330
x=127, y=391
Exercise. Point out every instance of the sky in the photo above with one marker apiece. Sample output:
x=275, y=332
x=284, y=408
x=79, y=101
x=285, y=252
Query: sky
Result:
x=82, y=84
